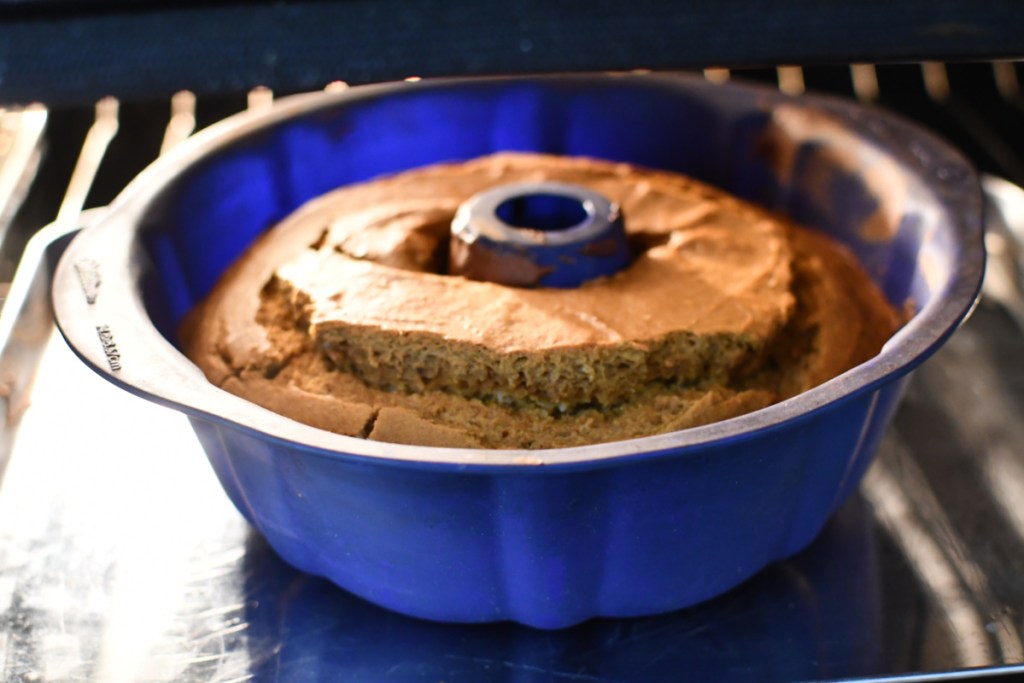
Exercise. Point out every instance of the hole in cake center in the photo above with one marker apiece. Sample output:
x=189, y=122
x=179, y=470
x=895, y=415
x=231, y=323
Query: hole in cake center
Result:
x=546, y=212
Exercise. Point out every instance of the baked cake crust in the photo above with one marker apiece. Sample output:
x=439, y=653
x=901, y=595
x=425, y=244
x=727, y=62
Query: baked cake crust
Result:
x=342, y=317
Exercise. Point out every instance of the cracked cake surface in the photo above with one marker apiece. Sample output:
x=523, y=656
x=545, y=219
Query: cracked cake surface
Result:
x=343, y=317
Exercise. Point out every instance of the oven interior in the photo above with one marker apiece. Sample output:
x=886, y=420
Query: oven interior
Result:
x=124, y=564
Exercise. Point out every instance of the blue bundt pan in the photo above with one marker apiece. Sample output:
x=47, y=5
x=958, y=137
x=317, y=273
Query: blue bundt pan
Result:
x=548, y=538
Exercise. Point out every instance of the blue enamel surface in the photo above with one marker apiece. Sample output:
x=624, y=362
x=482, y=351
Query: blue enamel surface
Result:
x=822, y=623
x=568, y=233
x=630, y=539
x=555, y=545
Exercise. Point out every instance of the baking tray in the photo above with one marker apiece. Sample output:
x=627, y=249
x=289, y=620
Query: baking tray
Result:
x=122, y=560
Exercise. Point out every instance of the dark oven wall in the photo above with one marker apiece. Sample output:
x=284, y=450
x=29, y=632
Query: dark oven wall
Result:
x=61, y=51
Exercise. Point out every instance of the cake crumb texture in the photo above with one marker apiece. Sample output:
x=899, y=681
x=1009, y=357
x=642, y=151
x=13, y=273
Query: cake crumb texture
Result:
x=343, y=317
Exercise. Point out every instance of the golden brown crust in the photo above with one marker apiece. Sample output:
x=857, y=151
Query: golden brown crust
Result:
x=317, y=410
x=339, y=310
x=401, y=425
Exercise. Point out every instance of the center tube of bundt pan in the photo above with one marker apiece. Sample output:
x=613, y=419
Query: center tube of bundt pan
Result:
x=540, y=234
